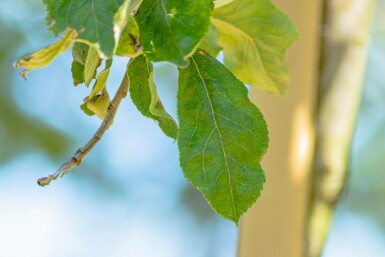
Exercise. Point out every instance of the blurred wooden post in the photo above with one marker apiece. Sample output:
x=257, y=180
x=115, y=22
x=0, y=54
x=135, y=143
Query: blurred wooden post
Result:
x=275, y=226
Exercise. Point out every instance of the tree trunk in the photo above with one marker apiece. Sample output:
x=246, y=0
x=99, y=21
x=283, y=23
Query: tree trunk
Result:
x=344, y=55
x=274, y=227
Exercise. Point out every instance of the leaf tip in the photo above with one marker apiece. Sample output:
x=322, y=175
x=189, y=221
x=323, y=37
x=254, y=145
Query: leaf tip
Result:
x=23, y=74
x=44, y=181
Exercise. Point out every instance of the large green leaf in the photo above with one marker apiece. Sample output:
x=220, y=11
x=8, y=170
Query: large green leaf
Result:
x=172, y=29
x=145, y=97
x=93, y=19
x=254, y=36
x=222, y=138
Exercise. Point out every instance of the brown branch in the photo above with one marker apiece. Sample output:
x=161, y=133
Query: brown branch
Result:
x=82, y=152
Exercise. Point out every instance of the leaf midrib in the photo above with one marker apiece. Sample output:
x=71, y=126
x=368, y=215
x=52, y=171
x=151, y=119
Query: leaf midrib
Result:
x=219, y=134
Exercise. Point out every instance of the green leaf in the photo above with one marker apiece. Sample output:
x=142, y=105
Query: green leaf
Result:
x=122, y=17
x=79, y=55
x=99, y=104
x=254, y=36
x=145, y=97
x=210, y=42
x=77, y=71
x=129, y=41
x=219, y=3
x=92, y=63
x=93, y=20
x=172, y=29
x=126, y=29
x=85, y=109
x=46, y=55
x=222, y=138
x=101, y=81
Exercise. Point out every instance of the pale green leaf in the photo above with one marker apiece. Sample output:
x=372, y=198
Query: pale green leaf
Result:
x=129, y=44
x=172, y=29
x=219, y=3
x=123, y=16
x=85, y=109
x=99, y=104
x=46, y=55
x=254, y=36
x=93, y=20
x=222, y=138
x=92, y=63
x=145, y=97
x=101, y=80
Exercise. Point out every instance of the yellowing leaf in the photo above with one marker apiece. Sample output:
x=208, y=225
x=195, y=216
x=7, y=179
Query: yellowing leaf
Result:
x=122, y=17
x=219, y=3
x=99, y=104
x=101, y=81
x=129, y=41
x=46, y=55
x=92, y=63
x=254, y=36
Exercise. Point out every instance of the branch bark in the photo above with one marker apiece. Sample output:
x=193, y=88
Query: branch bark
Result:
x=82, y=152
x=344, y=54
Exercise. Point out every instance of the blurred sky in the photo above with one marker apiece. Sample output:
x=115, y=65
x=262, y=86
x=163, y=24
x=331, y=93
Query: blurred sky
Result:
x=130, y=198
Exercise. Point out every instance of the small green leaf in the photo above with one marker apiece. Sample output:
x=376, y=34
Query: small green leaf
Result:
x=122, y=17
x=46, y=55
x=129, y=41
x=92, y=63
x=79, y=55
x=85, y=109
x=254, y=36
x=77, y=71
x=99, y=104
x=210, y=42
x=80, y=52
x=222, y=138
x=92, y=19
x=145, y=97
x=172, y=29
x=101, y=81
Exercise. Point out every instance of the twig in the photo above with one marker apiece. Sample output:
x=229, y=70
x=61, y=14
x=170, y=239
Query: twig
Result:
x=81, y=153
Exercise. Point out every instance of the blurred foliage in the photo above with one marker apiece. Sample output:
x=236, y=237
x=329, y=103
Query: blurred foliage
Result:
x=18, y=131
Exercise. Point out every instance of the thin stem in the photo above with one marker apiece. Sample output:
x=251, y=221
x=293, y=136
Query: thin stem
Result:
x=82, y=152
